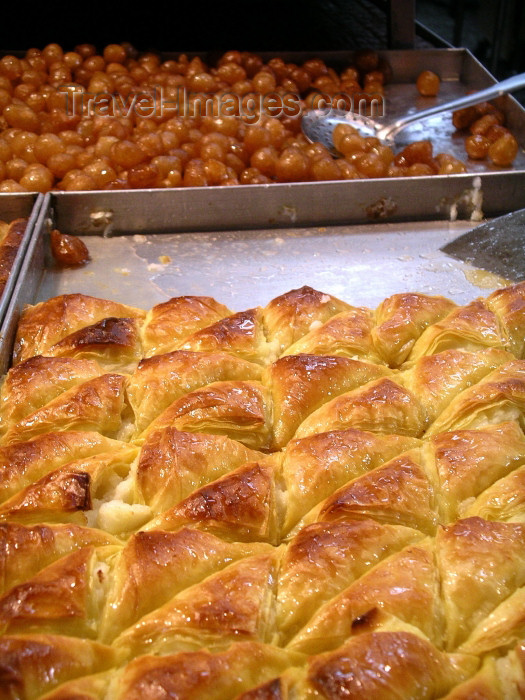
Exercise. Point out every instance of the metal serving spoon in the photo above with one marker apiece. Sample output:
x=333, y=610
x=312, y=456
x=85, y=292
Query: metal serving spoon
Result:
x=318, y=124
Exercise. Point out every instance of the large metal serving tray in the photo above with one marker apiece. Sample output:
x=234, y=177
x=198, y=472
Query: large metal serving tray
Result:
x=18, y=206
x=333, y=203
x=361, y=264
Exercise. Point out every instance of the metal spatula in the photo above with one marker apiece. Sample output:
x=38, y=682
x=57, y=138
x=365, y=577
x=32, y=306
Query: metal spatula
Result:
x=318, y=124
x=497, y=246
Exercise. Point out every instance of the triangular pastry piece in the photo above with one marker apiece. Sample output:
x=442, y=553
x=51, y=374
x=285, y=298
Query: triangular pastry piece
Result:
x=509, y=306
x=348, y=334
x=497, y=398
x=385, y=665
x=32, y=384
x=244, y=505
x=24, y=463
x=240, y=410
x=404, y=585
x=300, y=384
x=471, y=327
x=25, y=550
x=315, y=466
x=469, y=461
x=96, y=405
x=66, y=493
x=63, y=598
x=382, y=406
x=162, y=379
x=401, y=319
x=31, y=664
x=400, y=492
x=292, y=315
x=201, y=674
x=503, y=500
x=174, y=463
x=241, y=334
x=325, y=558
x=113, y=342
x=502, y=628
x=237, y=602
x=170, y=322
x=47, y=323
x=437, y=379
x=155, y=566
x=482, y=563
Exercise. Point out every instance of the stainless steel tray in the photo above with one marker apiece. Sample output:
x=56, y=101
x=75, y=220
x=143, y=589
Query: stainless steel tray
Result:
x=331, y=203
x=361, y=264
x=15, y=206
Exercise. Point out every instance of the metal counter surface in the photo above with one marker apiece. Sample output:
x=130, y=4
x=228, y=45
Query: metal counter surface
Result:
x=360, y=264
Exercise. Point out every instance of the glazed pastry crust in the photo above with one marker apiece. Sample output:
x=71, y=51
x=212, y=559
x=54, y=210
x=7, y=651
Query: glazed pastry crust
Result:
x=303, y=500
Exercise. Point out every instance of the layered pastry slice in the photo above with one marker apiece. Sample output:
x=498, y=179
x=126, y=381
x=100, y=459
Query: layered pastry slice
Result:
x=44, y=325
x=162, y=379
x=167, y=324
x=401, y=319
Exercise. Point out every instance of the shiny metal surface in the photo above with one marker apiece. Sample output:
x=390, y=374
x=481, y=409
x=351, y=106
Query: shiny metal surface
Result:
x=15, y=206
x=27, y=267
x=497, y=245
x=360, y=264
x=318, y=124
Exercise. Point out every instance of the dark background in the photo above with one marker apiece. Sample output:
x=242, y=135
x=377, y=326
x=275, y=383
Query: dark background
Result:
x=255, y=25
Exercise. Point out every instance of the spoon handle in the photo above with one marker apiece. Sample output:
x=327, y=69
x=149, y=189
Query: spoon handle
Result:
x=511, y=84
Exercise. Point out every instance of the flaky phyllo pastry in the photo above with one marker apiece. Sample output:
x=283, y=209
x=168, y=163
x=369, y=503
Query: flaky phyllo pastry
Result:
x=306, y=500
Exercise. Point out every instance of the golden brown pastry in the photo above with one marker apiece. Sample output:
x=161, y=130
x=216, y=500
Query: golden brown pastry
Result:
x=314, y=467
x=175, y=463
x=404, y=586
x=27, y=659
x=237, y=602
x=324, y=559
x=292, y=315
x=24, y=463
x=113, y=342
x=385, y=665
x=303, y=500
x=240, y=410
x=302, y=383
x=25, y=550
x=94, y=405
x=437, y=379
x=155, y=566
x=401, y=319
x=241, y=334
x=503, y=500
x=482, y=565
x=499, y=397
x=158, y=381
x=348, y=334
x=471, y=327
x=243, y=505
x=73, y=492
x=470, y=462
x=382, y=406
x=170, y=322
x=201, y=674
x=509, y=306
x=32, y=384
x=63, y=598
x=47, y=323
x=402, y=491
